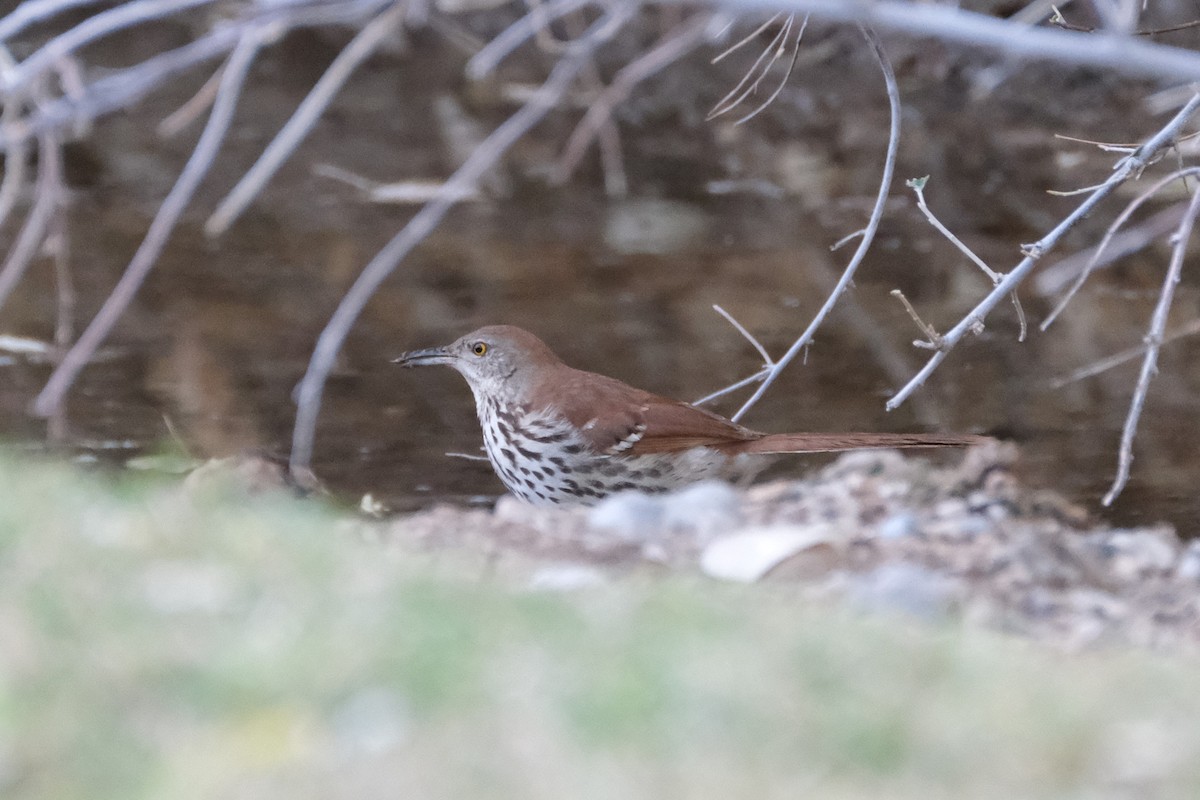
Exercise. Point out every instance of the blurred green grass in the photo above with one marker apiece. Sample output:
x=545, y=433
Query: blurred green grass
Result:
x=158, y=645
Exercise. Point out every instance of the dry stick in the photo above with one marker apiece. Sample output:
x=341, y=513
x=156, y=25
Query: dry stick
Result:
x=1127, y=167
x=1117, y=359
x=1116, y=225
x=103, y=24
x=308, y=393
x=161, y=227
x=33, y=232
x=770, y=375
x=1054, y=278
x=302, y=120
x=1154, y=338
x=918, y=186
x=678, y=43
x=1125, y=55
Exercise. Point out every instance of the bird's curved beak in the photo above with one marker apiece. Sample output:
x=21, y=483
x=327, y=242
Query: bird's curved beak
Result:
x=424, y=358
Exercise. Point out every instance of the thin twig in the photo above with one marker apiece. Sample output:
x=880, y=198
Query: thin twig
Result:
x=302, y=120
x=308, y=393
x=933, y=339
x=1154, y=339
x=1126, y=168
x=733, y=48
x=161, y=227
x=189, y=112
x=762, y=351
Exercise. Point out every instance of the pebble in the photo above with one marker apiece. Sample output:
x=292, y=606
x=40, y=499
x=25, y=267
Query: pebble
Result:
x=634, y=516
x=906, y=588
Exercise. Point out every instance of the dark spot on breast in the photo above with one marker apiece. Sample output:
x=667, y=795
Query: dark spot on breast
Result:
x=509, y=455
x=624, y=486
x=549, y=470
x=529, y=454
x=530, y=484
x=610, y=469
x=572, y=485
x=573, y=449
x=558, y=461
x=653, y=472
x=524, y=470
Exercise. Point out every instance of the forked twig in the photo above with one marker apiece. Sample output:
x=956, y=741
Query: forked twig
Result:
x=918, y=186
x=1154, y=340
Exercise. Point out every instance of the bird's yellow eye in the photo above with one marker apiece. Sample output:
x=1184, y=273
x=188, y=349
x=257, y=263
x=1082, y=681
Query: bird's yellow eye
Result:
x=479, y=348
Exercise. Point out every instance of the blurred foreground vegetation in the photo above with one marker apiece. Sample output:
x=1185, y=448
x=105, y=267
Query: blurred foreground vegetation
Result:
x=155, y=644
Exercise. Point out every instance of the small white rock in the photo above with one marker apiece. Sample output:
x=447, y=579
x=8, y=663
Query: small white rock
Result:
x=751, y=554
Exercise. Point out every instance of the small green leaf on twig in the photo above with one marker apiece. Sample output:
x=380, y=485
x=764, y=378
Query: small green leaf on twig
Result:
x=917, y=184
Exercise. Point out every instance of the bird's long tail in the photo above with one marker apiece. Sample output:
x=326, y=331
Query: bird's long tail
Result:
x=837, y=442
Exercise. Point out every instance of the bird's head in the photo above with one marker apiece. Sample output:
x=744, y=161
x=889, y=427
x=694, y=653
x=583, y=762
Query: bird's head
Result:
x=499, y=361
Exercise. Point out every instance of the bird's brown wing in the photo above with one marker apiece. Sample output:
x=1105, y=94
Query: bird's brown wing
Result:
x=616, y=418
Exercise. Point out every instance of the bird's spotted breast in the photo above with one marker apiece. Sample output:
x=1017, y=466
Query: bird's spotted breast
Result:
x=544, y=460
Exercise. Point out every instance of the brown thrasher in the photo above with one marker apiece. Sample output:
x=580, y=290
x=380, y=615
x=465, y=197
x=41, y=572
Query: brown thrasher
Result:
x=556, y=434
